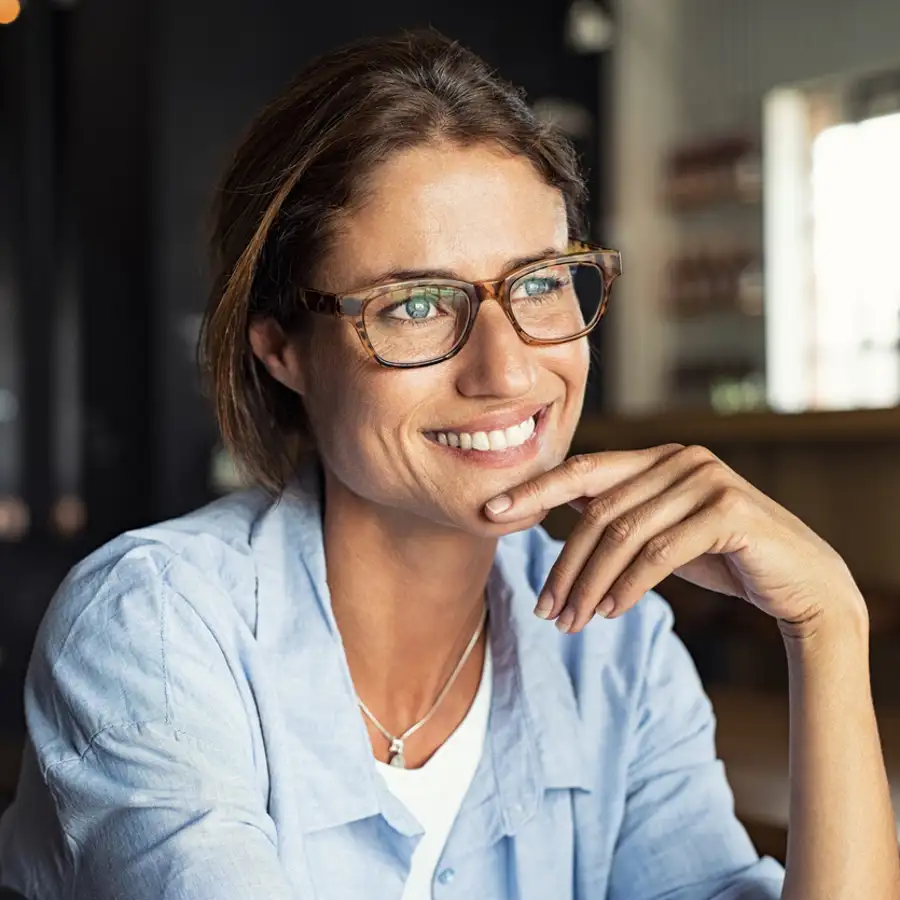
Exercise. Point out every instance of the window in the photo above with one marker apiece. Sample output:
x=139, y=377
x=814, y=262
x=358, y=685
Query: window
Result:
x=833, y=245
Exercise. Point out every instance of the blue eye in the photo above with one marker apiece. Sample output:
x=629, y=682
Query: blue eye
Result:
x=417, y=307
x=536, y=286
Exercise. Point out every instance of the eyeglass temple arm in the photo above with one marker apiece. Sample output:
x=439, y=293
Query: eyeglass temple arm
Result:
x=330, y=304
x=318, y=302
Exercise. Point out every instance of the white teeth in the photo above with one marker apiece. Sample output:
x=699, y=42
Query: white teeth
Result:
x=514, y=436
x=497, y=440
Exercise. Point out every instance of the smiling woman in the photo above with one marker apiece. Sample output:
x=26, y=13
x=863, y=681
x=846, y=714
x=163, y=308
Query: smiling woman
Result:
x=333, y=685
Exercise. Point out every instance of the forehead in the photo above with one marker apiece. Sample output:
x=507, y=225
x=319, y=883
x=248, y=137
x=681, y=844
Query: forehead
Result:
x=463, y=209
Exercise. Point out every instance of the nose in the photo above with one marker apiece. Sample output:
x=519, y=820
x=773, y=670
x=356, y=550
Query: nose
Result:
x=495, y=362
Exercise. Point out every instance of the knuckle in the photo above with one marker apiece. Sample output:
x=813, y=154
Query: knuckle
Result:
x=697, y=455
x=621, y=530
x=532, y=491
x=710, y=472
x=732, y=500
x=625, y=585
x=597, y=512
x=658, y=550
x=562, y=573
x=671, y=448
x=581, y=464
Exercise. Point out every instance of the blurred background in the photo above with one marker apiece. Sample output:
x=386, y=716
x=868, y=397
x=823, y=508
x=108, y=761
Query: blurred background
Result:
x=743, y=154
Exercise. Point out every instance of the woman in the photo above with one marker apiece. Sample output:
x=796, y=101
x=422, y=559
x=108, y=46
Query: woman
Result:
x=343, y=692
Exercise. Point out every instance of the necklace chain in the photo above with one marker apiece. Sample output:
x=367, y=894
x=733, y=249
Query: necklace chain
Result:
x=397, y=757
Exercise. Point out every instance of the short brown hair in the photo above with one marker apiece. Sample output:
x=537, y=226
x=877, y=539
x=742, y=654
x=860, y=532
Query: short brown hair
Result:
x=304, y=161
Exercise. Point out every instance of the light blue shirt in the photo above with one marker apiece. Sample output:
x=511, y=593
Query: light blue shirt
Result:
x=194, y=735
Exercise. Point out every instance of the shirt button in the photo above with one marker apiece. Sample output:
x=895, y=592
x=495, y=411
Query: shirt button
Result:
x=447, y=876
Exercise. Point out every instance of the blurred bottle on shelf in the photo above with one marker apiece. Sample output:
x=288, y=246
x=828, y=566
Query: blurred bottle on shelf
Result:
x=733, y=395
x=750, y=287
x=727, y=279
x=725, y=169
x=725, y=386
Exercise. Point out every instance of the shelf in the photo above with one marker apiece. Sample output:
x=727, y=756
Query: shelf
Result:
x=676, y=316
x=711, y=203
x=706, y=427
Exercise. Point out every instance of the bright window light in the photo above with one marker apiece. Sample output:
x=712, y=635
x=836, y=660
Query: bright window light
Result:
x=855, y=360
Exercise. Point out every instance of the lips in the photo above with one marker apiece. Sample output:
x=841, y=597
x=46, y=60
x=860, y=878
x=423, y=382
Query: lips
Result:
x=498, y=421
x=510, y=442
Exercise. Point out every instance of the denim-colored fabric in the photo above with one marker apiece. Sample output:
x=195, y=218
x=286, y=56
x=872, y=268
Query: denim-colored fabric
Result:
x=194, y=735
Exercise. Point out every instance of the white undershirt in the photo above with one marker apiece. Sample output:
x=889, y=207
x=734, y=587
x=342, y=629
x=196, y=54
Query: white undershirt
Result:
x=434, y=792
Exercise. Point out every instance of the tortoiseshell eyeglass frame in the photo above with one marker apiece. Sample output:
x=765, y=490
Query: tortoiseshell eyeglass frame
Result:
x=348, y=306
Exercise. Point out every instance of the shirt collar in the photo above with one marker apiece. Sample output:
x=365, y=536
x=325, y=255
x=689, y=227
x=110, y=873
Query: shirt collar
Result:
x=534, y=729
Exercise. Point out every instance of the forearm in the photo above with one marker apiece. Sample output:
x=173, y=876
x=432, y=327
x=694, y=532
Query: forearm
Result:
x=842, y=843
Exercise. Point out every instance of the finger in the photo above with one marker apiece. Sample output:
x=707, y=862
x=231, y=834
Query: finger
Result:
x=663, y=554
x=585, y=475
x=623, y=541
x=597, y=514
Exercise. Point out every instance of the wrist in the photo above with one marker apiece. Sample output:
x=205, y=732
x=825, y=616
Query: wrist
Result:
x=841, y=624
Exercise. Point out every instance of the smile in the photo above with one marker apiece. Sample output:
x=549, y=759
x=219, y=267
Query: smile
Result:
x=496, y=440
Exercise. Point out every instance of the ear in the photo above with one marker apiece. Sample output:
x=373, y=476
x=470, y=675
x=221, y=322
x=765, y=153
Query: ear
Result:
x=278, y=353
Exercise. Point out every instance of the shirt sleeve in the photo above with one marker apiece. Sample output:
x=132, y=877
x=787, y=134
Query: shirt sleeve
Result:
x=680, y=839
x=142, y=732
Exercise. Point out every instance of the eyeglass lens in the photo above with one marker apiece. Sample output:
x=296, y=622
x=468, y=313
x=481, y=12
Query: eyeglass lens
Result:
x=421, y=322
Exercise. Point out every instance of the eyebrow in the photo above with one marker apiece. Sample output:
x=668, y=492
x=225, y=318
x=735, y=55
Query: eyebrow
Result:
x=415, y=274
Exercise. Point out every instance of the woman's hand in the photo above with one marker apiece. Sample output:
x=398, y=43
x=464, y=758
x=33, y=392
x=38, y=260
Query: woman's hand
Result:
x=647, y=514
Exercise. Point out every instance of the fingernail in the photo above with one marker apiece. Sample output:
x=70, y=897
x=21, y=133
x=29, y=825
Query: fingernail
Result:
x=499, y=504
x=544, y=606
x=564, y=622
x=607, y=605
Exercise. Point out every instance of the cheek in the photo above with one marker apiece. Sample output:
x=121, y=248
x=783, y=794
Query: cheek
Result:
x=583, y=358
x=334, y=364
x=353, y=403
x=570, y=362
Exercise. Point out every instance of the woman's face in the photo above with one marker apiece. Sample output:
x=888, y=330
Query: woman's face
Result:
x=471, y=212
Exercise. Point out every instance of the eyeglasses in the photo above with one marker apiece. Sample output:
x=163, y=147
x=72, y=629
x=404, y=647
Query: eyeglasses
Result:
x=405, y=324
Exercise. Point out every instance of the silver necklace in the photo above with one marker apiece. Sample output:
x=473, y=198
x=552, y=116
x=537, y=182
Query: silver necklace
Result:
x=397, y=757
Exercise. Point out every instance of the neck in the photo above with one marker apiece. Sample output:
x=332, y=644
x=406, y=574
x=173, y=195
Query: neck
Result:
x=407, y=596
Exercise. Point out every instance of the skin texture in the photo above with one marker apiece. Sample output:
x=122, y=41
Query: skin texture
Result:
x=410, y=537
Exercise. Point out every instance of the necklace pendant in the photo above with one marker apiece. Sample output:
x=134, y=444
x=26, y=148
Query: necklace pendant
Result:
x=397, y=759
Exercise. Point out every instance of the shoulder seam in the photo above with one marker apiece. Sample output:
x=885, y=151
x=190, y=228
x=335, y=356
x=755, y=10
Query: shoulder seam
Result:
x=136, y=723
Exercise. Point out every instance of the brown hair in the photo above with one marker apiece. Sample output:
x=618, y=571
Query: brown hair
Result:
x=305, y=161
